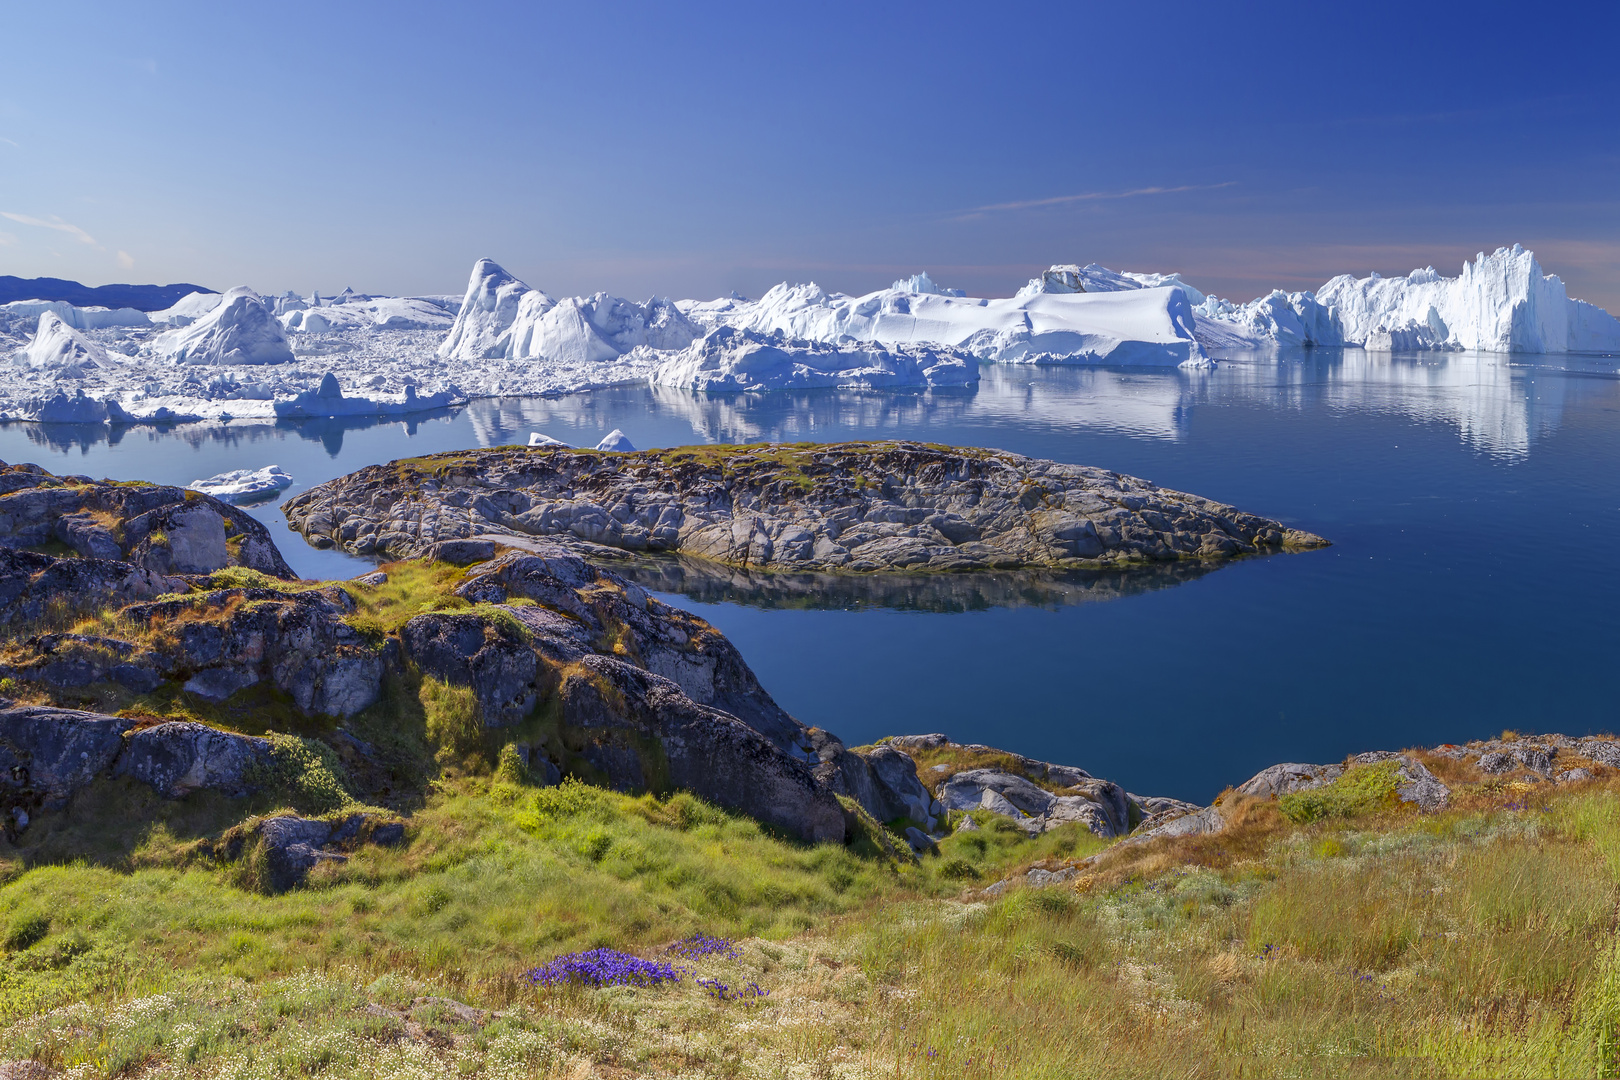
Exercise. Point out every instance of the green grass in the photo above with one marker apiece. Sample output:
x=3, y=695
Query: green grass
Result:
x=1477, y=942
x=1359, y=791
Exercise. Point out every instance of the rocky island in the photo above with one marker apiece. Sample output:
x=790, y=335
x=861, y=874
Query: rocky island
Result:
x=838, y=506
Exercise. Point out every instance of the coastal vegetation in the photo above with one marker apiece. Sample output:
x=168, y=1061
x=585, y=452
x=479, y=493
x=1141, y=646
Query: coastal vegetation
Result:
x=1376, y=942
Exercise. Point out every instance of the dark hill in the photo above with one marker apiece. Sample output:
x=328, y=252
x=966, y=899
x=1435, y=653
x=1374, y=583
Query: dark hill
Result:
x=140, y=297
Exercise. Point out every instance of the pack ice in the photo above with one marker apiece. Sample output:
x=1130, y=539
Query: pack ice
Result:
x=239, y=355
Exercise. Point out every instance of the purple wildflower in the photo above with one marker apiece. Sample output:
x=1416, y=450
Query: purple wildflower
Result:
x=703, y=945
x=602, y=967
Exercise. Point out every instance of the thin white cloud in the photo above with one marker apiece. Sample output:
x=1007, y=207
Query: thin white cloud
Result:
x=55, y=223
x=1093, y=196
x=6, y=239
x=10, y=142
x=126, y=261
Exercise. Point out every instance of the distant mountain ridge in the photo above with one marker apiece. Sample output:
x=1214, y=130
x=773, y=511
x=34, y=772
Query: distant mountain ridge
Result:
x=139, y=297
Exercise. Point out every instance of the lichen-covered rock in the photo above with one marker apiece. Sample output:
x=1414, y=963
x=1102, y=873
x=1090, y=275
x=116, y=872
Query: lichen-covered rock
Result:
x=178, y=757
x=844, y=506
x=46, y=754
x=606, y=609
x=1287, y=778
x=1101, y=806
x=31, y=583
x=217, y=643
x=640, y=730
x=294, y=845
x=882, y=779
x=164, y=530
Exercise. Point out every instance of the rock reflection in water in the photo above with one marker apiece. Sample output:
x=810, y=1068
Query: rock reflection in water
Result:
x=711, y=582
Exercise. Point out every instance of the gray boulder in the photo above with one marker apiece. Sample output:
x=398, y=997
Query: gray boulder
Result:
x=294, y=845
x=47, y=754
x=492, y=656
x=179, y=757
x=883, y=780
x=1287, y=778
x=1418, y=787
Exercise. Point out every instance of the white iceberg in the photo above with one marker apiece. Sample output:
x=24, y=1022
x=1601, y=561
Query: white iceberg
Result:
x=244, y=485
x=731, y=358
x=79, y=318
x=1141, y=326
x=501, y=317
x=187, y=310
x=239, y=330
x=616, y=442
x=370, y=313
x=1094, y=278
x=328, y=400
x=58, y=346
x=1501, y=302
x=537, y=439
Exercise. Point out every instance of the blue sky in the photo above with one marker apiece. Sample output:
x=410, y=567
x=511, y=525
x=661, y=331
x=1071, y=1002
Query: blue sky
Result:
x=687, y=150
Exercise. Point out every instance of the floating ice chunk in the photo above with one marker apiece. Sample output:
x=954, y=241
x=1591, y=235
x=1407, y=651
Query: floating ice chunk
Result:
x=616, y=442
x=734, y=359
x=244, y=485
x=483, y=325
x=329, y=400
x=239, y=330
x=61, y=408
x=58, y=346
x=537, y=439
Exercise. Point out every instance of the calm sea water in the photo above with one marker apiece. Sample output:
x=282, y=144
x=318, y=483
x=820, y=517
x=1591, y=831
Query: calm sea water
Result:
x=1474, y=506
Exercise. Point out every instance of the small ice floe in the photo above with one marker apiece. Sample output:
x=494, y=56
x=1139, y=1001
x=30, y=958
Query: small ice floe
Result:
x=244, y=485
x=617, y=442
x=537, y=439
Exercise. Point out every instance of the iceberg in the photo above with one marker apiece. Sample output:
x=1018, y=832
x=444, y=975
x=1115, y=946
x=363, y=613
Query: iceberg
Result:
x=329, y=400
x=1139, y=326
x=616, y=442
x=503, y=318
x=1094, y=278
x=371, y=313
x=79, y=318
x=244, y=485
x=187, y=310
x=1501, y=302
x=537, y=439
x=732, y=358
x=58, y=346
x=239, y=330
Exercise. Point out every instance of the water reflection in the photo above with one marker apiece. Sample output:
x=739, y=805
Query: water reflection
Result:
x=709, y=582
x=1497, y=405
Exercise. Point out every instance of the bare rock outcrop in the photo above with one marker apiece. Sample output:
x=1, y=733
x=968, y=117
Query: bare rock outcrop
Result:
x=841, y=506
x=160, y=529
x=216, y=643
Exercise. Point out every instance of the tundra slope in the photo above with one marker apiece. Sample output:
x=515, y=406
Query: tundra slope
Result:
x=836, y=506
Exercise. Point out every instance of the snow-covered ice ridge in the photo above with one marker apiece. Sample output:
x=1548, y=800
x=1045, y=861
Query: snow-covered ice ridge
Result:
x=239, y=355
